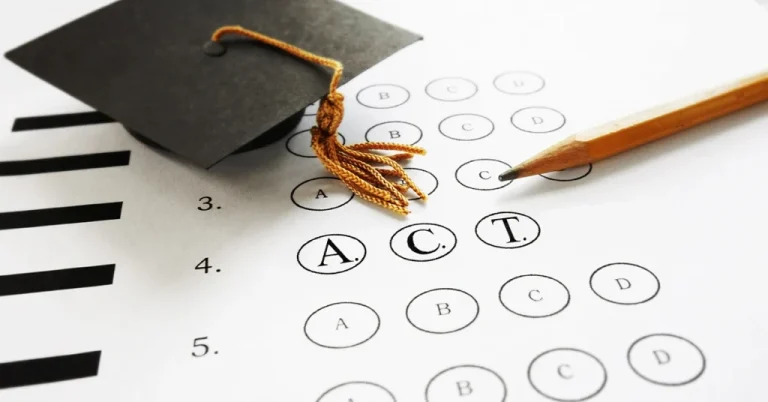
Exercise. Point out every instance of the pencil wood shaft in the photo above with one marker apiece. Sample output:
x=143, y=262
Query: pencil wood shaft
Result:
x=641, y=128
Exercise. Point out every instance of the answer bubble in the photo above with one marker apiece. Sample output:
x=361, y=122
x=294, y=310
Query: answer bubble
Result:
x=466, y=127
x=383, y=96
x=451, y=89
x=507, y=230
x=567, y=375
x=342, y=325
x=357, y=391
x=466, y=383
x=442, y=311
x=321, y=194
x=624, y=283
x=399, y=132
x=666, y=359
x=534, y=296
x=569, y=174
x=422, y=242
x=538, y=120
x=424, y=180
x=518, y=83
x=331, y=254
x=300, y=144
x=482, y=174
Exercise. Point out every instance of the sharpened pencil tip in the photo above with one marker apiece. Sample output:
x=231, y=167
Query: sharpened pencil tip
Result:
x=509, y=175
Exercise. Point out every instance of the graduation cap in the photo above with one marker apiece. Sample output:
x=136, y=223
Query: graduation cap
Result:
x=178, y=75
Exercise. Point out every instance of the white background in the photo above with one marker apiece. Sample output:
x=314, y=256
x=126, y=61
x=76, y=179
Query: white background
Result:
x=690, y=208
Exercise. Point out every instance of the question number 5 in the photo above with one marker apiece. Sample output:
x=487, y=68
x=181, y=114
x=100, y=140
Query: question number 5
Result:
x=197, y=344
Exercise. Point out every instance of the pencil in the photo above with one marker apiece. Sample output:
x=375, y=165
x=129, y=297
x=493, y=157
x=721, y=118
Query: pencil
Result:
x=632, y=131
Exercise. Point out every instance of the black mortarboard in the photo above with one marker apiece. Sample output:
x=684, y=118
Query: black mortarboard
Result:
x=143, y=63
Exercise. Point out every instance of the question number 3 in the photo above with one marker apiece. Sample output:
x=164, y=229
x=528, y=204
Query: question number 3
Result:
x=207, y=204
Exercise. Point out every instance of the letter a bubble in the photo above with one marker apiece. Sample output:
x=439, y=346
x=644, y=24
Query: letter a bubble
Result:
x=341, y=325
x=321, y=194
x=331, y=254
x=357, y=391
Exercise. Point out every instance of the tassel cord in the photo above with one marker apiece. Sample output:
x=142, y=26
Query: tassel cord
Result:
x=351, y=164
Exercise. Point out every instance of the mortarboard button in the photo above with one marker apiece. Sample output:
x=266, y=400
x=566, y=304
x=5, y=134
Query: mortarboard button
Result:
x=214, y=49
x=147, y=65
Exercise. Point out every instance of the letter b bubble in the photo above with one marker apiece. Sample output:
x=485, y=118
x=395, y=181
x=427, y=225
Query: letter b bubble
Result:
x=442, y=311
x=394, y=131
x=423, y=242
x=624, y=283
x=466, y=384
x=383, y=96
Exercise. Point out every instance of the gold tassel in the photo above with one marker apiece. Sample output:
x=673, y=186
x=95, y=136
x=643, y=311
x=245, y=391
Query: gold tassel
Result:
x=351, y=164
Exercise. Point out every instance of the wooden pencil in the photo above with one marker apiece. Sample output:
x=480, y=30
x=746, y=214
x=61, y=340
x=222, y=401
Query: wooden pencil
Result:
x=604, y=141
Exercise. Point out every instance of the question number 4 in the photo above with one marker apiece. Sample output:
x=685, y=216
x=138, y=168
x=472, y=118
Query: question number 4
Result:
x=205, y=265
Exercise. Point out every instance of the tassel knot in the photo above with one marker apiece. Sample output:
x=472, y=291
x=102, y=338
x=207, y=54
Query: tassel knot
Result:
x=330, y=113
x=351, y=164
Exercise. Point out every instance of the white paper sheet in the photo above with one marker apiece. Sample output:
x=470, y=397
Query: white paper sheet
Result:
x=639, y=280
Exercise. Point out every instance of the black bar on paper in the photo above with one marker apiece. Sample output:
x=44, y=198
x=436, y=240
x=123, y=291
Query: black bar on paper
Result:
x=60, y=121
x=49, y=369
x=60, y=216
x=65, y=163
x=60, y=279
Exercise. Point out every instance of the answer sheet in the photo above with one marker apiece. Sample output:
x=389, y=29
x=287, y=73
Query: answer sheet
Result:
x=128, y=275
